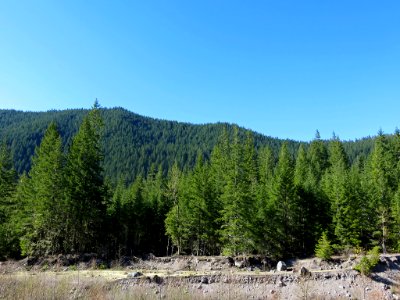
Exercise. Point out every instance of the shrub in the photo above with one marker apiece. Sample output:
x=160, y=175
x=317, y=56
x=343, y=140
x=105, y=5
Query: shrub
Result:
x=368, y=262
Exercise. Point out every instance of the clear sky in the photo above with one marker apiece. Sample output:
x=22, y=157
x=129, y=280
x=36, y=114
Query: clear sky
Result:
x=282, y=68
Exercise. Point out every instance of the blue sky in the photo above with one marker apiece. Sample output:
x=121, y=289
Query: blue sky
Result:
x=282, y=68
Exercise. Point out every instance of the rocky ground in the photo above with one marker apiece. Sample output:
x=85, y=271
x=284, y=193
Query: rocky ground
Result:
x=189, y=277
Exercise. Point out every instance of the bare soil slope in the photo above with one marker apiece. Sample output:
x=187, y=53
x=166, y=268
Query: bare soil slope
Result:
x=188, y=277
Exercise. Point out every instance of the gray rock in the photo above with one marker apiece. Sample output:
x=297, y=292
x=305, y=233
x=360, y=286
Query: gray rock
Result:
x=156, y=279
x=239, y=263
x=281, y=266
x=281, y=284
x=204, y=280
x=304, y=272
x=134, y=274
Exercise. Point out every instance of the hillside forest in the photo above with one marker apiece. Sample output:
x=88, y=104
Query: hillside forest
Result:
x=240, y=194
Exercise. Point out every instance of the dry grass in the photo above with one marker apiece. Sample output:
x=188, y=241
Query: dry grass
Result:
x=51, y=285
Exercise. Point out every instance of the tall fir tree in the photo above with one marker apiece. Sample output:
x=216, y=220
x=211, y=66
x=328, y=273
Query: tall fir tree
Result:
x=8, y=177
x=381, y=187
x=174, y=225
x=264, y=228
x=318, y=163
x=236, y=228
x=305, y=204
x=45, y=199
x=85, y=189
x=283, y=200
x=335, y=187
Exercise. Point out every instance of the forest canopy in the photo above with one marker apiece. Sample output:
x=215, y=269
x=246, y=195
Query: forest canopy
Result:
x=112, y=182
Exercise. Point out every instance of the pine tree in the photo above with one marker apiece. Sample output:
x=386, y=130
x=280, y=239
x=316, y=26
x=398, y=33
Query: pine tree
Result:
x=236, y=230
x=381, y=186
x=264, y=228
x=115, y=224
x=157, y=208
x=283, y=200
x=46, y=197
x=305, y=204
x=324, y=249
x=201, y=212
x=318, y=163
x=174, y=225
x=7, y=205
x=85, y=192
x=335, y=187
x=134, y=211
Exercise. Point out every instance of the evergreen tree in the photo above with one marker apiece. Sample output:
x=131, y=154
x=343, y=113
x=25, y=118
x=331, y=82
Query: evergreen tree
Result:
x=174, y=225
x=335, y=187
x=45, y=199
x=318, y=164
x=154, y=195
x=116, y=223
x=305, y=204
x=236, y=230
x=199, y=218
x=85, y=190
x=7, y=205
x=324, y=249
x=283, y=200
x=381, y=186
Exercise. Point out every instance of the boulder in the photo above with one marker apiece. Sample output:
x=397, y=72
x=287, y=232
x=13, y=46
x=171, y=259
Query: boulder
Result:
x=156, y=279
x=204, y=279
x=304, y=272
x=134, y=274
x=281, y=266
x=239, y=263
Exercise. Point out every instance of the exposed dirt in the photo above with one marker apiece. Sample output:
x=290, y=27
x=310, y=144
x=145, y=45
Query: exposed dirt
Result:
x=225, y=277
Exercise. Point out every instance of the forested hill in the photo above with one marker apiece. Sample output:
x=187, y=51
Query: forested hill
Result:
x=132, y=143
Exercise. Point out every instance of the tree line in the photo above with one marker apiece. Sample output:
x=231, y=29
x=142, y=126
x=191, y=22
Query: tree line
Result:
x=241, y=199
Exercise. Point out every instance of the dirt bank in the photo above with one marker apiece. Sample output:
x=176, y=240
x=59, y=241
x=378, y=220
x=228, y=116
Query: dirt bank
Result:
x=203, y=278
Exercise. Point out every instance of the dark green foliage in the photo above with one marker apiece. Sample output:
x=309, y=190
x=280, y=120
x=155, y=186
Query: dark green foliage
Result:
x=85, y=189
x=120, y=184
x=284, y=206
x=131, y=143
x=44, y=197
x=239, y=198
x=8, y=180
x=381, y=187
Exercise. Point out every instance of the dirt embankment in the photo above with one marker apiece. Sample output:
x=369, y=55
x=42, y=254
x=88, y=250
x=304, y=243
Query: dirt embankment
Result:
x=189, y=277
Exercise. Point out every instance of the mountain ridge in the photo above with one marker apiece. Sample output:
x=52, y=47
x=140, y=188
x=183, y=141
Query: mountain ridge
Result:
x=134, y=143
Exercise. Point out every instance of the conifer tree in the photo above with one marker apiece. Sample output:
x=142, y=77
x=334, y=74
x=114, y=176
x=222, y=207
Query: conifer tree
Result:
x=199, y=218
x=174, y=225
x=305, y=204
x=85, y=186
x=158, y=207
x=324, y=249
x=236, y=231
x=381, y=186
x=45, y=198
x=335, y=187
x=283, y=200
x=318, y=163
x=7, y=205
